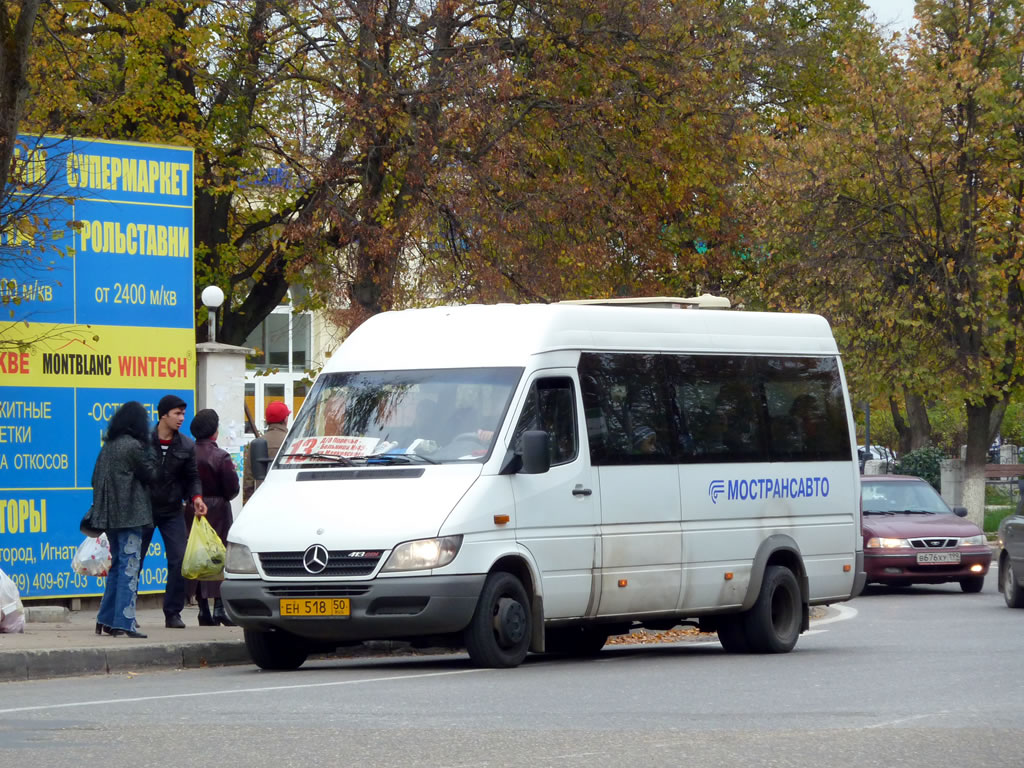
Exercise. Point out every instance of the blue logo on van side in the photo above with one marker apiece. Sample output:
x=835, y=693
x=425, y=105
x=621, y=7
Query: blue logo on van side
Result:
x=716, y=489
x=769, y=488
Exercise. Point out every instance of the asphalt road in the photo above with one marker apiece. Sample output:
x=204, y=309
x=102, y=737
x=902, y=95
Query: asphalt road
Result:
x=922, y=678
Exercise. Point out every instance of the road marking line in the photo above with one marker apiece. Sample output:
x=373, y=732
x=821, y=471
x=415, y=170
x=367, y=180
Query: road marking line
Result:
x=262, y=689
x=906, y=720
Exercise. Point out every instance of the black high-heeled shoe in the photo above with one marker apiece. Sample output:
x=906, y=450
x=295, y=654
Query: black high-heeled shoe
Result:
x=101, y=628
x=220, y=616
x=127, y=633
x=205, y=618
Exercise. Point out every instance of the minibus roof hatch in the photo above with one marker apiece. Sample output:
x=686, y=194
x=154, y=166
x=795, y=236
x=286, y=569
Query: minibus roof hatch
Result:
x=704, y=301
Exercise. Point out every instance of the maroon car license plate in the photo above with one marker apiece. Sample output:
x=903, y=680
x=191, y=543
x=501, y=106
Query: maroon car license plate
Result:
x=937, y=558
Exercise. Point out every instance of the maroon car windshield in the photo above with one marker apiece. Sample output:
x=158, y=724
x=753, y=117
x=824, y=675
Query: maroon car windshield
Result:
x=894, y=497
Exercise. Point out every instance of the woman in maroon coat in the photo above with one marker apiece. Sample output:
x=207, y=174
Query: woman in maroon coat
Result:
x=220, y=485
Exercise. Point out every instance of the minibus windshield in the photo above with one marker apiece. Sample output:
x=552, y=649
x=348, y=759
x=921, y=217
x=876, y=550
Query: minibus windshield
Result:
x=386, y=417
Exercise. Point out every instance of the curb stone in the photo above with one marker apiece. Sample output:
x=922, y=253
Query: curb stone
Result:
x=48, y=664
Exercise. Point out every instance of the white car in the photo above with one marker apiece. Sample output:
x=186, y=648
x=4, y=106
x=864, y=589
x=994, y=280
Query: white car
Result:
x=878, y=452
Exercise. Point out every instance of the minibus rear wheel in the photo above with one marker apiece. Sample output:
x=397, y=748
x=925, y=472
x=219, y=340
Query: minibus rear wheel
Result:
x=498, y=635
x=773, y=623
x=275, y=650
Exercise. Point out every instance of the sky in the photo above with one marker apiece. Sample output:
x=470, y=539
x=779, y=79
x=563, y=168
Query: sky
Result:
x=899, y=13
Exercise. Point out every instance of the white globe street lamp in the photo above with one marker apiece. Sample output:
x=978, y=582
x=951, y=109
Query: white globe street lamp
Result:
x=212, y=297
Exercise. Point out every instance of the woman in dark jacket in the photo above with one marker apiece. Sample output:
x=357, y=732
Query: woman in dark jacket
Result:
x=220, y=485
x=124, y=470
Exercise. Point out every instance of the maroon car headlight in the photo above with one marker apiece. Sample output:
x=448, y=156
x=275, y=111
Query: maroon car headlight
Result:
x=877, y=542
x=973, y=541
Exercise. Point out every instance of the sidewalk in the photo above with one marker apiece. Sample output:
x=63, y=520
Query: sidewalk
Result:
x=58, y=642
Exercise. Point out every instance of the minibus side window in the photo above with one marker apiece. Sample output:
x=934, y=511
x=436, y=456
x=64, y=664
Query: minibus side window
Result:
x=806, y=409
x=629, y=418
x=719, y=401
x=551, y=406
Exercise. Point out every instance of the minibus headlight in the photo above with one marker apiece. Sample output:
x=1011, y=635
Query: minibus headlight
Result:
x=239, y=559
x=423, y=554
x=876, y=542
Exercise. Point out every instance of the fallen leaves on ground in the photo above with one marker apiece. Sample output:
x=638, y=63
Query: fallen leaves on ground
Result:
x=648, y=637
x=679, y=634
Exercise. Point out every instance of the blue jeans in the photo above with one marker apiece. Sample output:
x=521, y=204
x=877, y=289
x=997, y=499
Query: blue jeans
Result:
x=172, y=529
x=117, y=608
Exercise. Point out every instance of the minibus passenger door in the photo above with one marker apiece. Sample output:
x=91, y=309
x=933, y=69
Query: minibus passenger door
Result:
x=630, y=441
x=558, y=511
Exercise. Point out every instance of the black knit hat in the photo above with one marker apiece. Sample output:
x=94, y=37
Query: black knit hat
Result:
x=204, y=424
x=169, y=403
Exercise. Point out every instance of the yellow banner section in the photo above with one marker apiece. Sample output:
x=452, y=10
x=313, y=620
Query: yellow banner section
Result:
x=95, y=356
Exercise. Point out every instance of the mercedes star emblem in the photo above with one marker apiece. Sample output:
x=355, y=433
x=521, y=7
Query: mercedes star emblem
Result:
x=314, y=559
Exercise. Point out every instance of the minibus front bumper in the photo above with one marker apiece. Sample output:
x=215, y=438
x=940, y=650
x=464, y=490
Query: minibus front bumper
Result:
x=379, y=609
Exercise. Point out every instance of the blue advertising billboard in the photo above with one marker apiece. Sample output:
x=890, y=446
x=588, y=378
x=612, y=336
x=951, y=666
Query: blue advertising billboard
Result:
x=96, y=286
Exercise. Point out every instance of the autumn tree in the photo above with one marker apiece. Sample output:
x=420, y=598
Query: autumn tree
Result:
x=17, y=20
x=896, y=210
x=27, y=248
x=535, y=151
x=222, y=76
x=634, y=129
x=629, y=133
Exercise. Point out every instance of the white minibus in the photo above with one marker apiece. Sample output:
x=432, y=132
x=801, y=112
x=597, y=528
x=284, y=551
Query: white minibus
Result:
x=517, y=478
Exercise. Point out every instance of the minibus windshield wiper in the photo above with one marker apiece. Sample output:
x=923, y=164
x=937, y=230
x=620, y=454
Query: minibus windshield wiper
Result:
x=396, y=458
x=332, y=457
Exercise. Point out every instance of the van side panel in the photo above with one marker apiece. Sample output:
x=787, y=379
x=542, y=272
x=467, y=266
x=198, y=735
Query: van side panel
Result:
x=641, y=540
x=728, y=510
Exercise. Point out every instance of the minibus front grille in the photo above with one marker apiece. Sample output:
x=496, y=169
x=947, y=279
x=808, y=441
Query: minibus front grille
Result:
x=340, y=563
x=318, y=590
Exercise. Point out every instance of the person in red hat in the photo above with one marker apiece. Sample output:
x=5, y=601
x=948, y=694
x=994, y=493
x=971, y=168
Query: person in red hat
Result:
x=277, y=427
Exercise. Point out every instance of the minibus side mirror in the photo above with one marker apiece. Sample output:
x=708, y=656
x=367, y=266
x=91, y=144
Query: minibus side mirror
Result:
x=260, y=459
x=536, y=459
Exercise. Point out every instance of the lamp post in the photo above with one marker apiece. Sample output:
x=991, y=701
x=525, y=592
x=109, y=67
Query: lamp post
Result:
x=212, y=298
x=867, y=428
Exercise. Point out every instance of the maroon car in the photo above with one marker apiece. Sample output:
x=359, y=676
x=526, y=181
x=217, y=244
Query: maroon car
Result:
x=912, y=537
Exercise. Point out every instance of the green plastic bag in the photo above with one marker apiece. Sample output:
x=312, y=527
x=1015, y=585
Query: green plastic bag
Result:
x=204, y=553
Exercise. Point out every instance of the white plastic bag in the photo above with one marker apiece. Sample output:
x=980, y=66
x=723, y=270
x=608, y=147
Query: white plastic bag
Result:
x=12, y=612
x=92, y=558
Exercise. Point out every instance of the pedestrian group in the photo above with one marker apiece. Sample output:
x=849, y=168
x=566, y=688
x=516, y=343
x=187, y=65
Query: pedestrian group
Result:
x=146, y=480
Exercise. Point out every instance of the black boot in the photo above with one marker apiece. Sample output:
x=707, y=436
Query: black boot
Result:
x=219, y=615
x=205, y=619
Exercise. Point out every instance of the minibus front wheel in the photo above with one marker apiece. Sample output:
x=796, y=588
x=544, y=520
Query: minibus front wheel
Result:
x=498, y=635
x=275, y=650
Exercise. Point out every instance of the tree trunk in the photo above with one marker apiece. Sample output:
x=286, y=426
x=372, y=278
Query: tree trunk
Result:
x=978, y=421
x=15, y=39
x=920, y=426
x=918, y=432
x=996, y=420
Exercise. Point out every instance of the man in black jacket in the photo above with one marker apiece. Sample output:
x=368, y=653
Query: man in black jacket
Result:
x=177, y=483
